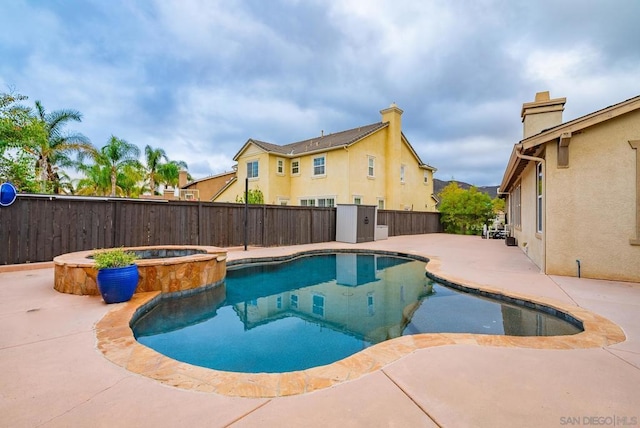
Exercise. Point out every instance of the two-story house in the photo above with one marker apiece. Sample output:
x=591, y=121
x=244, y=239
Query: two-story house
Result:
x=372, y=165
x=574, y=190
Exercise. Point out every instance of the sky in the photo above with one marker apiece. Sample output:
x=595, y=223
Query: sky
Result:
x=198, y=78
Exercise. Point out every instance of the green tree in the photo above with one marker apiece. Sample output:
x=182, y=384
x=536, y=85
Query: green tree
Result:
x=131, y=181
x=96, y=180
x=54, y=151
x=18, y=168
x=18, y=128
x=169, y=172
x=254, y=196
x=153, y=158
x=119, y=156
x=498, y=205
x=464, y=211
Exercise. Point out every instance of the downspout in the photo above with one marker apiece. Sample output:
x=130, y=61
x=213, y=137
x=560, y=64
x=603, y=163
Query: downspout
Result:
x=544, y=204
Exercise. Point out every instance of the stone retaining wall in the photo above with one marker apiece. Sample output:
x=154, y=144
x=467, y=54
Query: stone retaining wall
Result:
x=74, y=273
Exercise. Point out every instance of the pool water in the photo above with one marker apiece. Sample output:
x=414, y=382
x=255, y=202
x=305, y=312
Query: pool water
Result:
x=316, y=310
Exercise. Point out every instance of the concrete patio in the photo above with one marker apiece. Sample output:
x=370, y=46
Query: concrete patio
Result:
x=53, y=375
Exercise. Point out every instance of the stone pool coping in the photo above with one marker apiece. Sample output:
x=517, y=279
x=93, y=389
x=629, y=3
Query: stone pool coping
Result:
x=116, y=341
x=75, y=273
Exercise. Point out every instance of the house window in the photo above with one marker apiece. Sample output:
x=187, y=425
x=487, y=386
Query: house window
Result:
x=371, y=170
x=319, y=202
x=280, y=166
x=279, y=302
x=539, y=212
x=252, y=169
x=402, y=167
x=293, y=301
x=426, y=177
x=319, y=165
x=357, y=200
x=318, y=305
x=635, y=145
x=514, y=201
x=295, y=167
x=380, y=204
x=326, y=202
x=371, y=304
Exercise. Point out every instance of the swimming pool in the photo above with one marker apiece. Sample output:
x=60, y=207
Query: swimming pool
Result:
x=315, y=310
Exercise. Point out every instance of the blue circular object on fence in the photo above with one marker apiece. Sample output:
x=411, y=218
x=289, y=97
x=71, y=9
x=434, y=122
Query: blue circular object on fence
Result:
x=8, y=194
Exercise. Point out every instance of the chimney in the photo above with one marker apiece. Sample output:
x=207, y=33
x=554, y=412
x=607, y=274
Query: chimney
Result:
x=541, y=114
x=182, y=178
x=393, y=153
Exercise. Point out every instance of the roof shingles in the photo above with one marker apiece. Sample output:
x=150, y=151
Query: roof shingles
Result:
x=323, y=142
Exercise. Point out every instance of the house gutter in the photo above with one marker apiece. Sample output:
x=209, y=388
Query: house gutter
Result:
x=518, y=153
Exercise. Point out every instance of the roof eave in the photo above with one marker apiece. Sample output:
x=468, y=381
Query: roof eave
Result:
x=510, y=170
x=556, y=132
x=582, y=122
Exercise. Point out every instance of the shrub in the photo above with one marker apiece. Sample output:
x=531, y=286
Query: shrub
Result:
x=116, y=257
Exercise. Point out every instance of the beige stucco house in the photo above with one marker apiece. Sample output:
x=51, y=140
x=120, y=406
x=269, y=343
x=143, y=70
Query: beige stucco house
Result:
x=371, y=165
x=574, y=190
x=205, y=188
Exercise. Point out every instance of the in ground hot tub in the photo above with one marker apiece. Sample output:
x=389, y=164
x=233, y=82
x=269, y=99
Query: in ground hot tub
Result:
x=168, y=268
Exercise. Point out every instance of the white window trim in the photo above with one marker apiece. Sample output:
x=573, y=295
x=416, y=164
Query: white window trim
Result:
x=357, y=197
x=316, y=201
x=313, y=166
x=251, y=162
x=371, y=166
x=425, y=179
x=278, y=162
x=539, y=197
x=295, y=174
x=515, y=201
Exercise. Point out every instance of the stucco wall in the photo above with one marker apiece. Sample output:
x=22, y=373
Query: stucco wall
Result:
x=210, y=186
x=237, y=188
x=528, y=239
x=360, y=184
x=346, y=177
x=591, y=204
x=279, y=183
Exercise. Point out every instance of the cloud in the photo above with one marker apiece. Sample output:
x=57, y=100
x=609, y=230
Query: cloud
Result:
x=198, y=78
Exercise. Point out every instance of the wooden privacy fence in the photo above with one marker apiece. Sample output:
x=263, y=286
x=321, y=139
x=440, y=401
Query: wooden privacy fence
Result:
x=38, y=228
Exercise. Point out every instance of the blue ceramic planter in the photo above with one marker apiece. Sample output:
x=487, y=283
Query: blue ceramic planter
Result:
x=118, y=284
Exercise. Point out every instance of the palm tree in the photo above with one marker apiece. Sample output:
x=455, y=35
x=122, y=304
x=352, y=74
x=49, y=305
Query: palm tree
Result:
x=131, y=180
x=56, y=148
x=118, y=155
x=153, y=158
x=96, y=181
x=170, y=172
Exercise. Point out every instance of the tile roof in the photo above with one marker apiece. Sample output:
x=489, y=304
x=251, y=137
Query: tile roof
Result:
x=322, y=142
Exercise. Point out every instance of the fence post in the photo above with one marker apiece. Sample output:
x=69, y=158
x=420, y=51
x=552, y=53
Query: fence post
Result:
x=246, y=210
x=114, y=220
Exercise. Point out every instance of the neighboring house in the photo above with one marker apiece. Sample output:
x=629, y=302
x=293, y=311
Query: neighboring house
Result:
x=574, y=190
x=372, y=165
x=206, y=188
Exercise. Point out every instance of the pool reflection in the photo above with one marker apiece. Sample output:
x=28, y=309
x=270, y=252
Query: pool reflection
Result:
x=316, y=310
